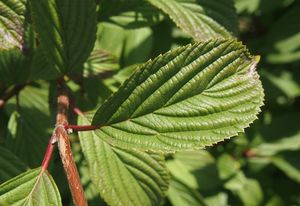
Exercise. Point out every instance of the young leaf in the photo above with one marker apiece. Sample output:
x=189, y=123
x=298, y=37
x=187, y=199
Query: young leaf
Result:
x=124, y=177
x=11, y=24
x=66, y=29
x=10, y=165
x=129, y=13
x=34, y=187
x=188, y=98
x=201, y=19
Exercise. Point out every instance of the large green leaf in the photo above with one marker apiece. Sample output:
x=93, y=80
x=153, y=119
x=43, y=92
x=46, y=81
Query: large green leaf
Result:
x=66, y=29
x=11, y=23
x=129, y=13
x=10, y=165
x=34, y=187
x=202, y=19
x=29, y=125
x=124, y=177
x=188, y=98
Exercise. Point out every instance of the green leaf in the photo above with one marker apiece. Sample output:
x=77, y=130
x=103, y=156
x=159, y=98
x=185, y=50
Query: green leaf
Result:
x=283, y=45
x=284, y=144
x=29, y=126
x=202, y=19
x=189, y=98
x=286, y=167
x=248, y=190
x=11, y=24
x=182, y=195
x=129, y=13
x=66, y=30
x=34, y=187
x=13, y=67
x=100, y=62
x=124, y=177
x=10, y=165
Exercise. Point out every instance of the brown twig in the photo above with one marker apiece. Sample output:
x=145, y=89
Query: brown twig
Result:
x=10, y=94
x=65, y=147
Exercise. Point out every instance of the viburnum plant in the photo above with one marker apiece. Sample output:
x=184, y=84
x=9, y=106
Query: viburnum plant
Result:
x=70, y=55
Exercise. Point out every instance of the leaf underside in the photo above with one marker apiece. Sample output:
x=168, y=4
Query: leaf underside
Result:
x=188, y=98
x=124, y=177
x=34, y=187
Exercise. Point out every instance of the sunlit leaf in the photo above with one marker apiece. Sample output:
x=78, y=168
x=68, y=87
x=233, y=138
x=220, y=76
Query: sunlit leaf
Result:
x=174, y=101
x=201, y=19
x=124, y=177
x=34, y=187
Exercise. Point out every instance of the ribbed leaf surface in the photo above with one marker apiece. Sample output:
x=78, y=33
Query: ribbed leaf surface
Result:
x=124, y=177
x=189, y=98
x=11, y=23
x=67, y=31
x=10, y=165
x=34, y=187
x=202, y=19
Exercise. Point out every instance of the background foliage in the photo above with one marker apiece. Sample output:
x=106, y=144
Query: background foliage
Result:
x=260, y=167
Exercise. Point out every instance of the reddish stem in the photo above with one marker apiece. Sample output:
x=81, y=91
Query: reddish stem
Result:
x=49, y=152
x=64, y=147
x=77, y=128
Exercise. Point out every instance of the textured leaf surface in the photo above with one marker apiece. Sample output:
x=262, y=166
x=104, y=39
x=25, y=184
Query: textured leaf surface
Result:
x=10, y=165
x=202, y=19
x=66, y=30
x=11, y=23
x=129, y=13
x=189, y=98
x=34, y=187
x=124, y=177
x=28, y=132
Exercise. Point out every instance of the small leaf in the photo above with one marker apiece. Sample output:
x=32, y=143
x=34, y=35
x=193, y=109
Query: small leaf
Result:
x=201, y=19
x=11, y=24
x=129, y=13
x=188, y=98
x=10, y=165
x=124, y=177
x=66, y=30
x=34, y=187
